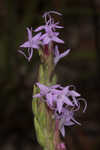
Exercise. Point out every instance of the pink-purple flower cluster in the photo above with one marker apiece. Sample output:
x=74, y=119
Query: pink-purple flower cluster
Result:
x=63, y=101
x=42, y=39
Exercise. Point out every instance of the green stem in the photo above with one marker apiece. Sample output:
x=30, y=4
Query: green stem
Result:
x=44, y=122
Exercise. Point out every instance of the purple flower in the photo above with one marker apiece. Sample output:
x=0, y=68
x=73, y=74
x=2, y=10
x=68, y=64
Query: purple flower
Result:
x=49, y=21
x=64, y=101
x=56, y=97
x=66, y=119
x=50, y=36
x=43, y=90
x=61, y=98
x=50, y=27
x=43, y=39
x=59, y=56
x=33, y=42
x=46, y=91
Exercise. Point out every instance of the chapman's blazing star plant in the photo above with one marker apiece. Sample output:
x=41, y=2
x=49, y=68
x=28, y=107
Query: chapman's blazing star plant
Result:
x=54, y=106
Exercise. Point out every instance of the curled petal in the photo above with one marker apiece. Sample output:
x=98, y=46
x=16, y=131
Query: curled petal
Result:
x=54, y=12
x=85, y=103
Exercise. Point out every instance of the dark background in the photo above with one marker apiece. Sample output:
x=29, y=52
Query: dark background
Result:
x=81, y=33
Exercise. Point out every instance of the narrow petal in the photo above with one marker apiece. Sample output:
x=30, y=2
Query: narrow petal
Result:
x=59, y=105
x=56, y=33
x=75, y=101
x=49, y=99
x=43, y=36
x=26, y=44
x=56, y=39
x=56, y=60
x=39, y=28
x=55, y=25
x=64, y=54
x=74, y=93
x=30, y=54
x=65, y=90
x=37, y=37
x=29, y=34
x=59, y=56
x=67, y=101
x=59, y=27
x=62, y=130
x=56, y=51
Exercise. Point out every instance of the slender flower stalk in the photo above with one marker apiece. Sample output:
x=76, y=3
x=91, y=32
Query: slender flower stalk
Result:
x=53, y=105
